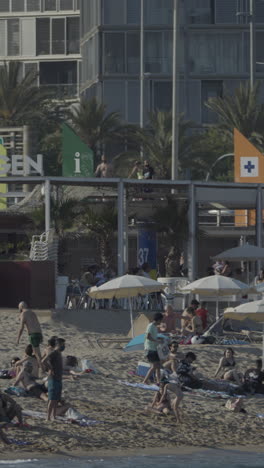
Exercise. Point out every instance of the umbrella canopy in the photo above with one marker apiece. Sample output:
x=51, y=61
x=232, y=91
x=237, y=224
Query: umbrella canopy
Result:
x=216, y=285
x=244, y=252
x=252, y=310
x=137, y=343
x=126, y=286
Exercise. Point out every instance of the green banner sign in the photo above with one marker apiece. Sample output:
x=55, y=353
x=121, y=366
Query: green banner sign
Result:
x=78, y=158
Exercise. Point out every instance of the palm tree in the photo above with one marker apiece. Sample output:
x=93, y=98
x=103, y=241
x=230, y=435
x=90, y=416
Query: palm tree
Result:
x=158, y=141
x=102, y=225
x=97, y=128
x=20, y=99
x=242, y=111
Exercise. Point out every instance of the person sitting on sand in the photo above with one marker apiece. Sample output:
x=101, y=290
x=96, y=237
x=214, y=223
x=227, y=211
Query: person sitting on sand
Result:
x=9, y=409
x=253, y=378
x=151, y=345
x=173, y=359
x=161, y=402
x=70, y=366
x=184, y=371
x=195, y=326
x=28, y=382
x=227, y=365
x=29, y=357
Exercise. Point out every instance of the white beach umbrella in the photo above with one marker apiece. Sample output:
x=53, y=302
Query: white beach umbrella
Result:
x=126, y=286
x=246, y=252
x=216, y=286
x=249, y=310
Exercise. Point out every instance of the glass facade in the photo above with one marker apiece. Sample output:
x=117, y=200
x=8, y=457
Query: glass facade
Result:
x=214, y=53
x=8, y=6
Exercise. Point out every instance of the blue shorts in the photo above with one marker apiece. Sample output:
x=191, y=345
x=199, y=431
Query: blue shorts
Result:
x=54, y=389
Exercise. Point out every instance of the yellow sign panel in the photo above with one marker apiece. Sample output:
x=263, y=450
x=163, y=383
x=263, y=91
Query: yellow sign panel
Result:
x=3, y=187
x=249, y=168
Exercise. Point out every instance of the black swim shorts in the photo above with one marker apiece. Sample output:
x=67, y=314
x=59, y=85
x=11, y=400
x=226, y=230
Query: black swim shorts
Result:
x=152, y=356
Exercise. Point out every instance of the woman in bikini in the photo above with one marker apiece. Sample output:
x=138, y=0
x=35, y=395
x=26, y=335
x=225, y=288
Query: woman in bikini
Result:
x=227, y=365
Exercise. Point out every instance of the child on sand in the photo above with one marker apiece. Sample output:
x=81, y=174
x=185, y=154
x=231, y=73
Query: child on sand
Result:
x=161, y=402
x=173, y=360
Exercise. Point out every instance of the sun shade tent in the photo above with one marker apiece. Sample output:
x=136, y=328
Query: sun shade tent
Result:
x=216, y=286
x=251, y=310
x=242, y=253
x=137, y=343
x=126, y=286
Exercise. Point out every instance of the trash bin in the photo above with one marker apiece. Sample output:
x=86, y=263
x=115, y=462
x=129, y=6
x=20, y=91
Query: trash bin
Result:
x=61, y=289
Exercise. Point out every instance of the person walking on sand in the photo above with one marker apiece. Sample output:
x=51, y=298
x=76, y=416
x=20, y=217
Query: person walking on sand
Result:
x=54, y=364
x=29, y=319
x=151, y=345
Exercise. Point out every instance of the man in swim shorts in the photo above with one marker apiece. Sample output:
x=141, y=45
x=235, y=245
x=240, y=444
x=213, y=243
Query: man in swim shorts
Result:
x=54, y=364
x=29, y=319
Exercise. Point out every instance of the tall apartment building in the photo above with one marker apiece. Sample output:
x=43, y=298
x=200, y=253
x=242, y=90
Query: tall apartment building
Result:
x=44, y=35
x=214, y=53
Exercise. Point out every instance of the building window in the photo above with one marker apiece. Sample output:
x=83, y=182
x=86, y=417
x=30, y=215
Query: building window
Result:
x=50, y=5
x=13, y=37
x=43, y=36
x=162, y=95
x=201, y=12
x=114, y=53
x=66, y=4
x=158, y=12
x=18, y=5
x=216, y=53
x=133, y=53
x=114, y=11
x=226, y=11
x=73, y=35
x=33, y=5
x=133, y=11
x=58, y=36
x=4, y=5
x=2, y=38
x=210, y=89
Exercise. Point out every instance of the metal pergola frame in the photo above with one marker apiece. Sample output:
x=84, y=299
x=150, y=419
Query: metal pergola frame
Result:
x=233, y=195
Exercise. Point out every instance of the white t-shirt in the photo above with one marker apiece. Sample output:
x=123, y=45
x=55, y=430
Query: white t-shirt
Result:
x=153, y=331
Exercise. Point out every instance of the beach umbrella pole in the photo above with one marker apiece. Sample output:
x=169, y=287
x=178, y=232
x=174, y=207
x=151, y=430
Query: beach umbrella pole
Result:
x=131, y=316
x=217, y=308
x=262, y=344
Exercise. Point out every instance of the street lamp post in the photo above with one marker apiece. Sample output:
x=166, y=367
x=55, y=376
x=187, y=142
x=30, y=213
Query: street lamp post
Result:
x=141, y=106
x=252, y=35
x=175, y=94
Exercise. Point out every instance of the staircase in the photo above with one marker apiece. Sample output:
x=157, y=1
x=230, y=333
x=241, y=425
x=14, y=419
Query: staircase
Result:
x=45, y=247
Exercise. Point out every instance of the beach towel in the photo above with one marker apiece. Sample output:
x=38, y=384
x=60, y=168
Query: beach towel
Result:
x=71, y=416
x=16, y=391
x=139, y=385
x=209, y=393
x=19, y=442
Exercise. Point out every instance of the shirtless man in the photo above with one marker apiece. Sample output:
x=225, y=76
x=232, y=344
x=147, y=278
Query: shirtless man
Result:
x=29, y=320
x=104, y=169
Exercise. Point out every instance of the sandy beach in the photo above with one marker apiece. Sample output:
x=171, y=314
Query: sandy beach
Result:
x=119, y=410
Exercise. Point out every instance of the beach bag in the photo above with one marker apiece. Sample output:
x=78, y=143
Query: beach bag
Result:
x=4, y=374
x=87, y=365
x=163, y=351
